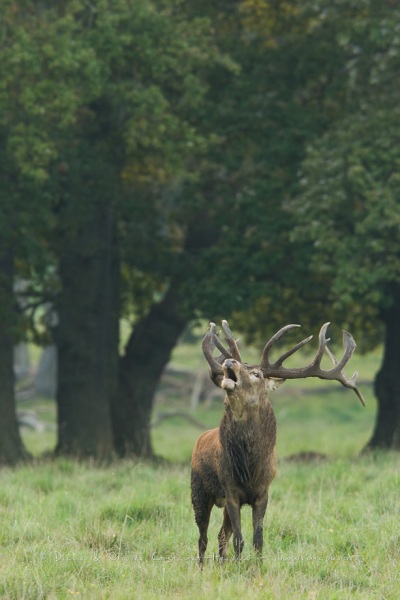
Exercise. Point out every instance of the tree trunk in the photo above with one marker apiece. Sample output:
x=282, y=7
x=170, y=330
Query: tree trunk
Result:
x=12, y=449
x=87, y=336
x=147, y=353
x=386, y=434
x=151, y=343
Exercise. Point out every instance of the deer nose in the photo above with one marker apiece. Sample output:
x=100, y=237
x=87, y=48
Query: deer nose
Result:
x=230, y=363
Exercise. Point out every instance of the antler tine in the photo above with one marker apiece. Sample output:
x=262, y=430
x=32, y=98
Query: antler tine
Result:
x=288, y=353
x=224, y=351
x=265, y=364
x=349, y=346
x=314, y=368
x=208, y=346
x=231, y=341
x=322, y=344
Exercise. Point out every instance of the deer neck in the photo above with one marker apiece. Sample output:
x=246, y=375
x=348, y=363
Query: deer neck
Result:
x=244, y=409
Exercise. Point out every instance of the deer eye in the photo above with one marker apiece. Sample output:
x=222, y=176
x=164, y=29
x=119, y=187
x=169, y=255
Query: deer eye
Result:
x=256, y=374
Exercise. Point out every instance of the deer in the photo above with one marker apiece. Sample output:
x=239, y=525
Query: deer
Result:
x=234, y=464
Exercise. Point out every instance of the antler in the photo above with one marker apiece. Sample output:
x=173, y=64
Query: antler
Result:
x=314, y=368
x=232, y=343
x=211, y=341
x=208, y=346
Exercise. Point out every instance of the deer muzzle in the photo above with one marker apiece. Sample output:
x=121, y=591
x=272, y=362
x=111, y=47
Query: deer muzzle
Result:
x=231, y=369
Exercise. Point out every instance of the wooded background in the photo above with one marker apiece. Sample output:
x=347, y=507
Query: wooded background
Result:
x=162, y=162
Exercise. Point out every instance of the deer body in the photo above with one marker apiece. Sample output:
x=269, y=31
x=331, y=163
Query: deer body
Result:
x=235, y=463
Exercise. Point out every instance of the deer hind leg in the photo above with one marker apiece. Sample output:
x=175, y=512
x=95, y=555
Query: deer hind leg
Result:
x=259, y=508
x=224, y=535
x=202, y=505
x=202, y=516
x=233, y=508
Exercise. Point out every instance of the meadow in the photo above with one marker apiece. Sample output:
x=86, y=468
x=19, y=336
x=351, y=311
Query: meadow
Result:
x=126, y=530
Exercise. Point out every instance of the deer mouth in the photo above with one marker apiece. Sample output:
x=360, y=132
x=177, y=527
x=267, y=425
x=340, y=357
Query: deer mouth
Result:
x=230, y=379
x=230, y=374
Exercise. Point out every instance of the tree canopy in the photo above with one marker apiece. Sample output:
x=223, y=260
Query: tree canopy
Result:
x=164, y=161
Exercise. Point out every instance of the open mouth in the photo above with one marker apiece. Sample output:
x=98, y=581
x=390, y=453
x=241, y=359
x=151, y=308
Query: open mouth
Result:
x=230, y=374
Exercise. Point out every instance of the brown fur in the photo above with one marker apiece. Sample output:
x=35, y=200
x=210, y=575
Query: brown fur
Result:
x=234, y=464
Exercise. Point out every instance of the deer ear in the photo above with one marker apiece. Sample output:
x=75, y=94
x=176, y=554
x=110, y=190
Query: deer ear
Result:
x=272, y=383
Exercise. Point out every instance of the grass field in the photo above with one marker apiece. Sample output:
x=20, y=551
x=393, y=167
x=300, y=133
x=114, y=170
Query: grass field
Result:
x=126, y=530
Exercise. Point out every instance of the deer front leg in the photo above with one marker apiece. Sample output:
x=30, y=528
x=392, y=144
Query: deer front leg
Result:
x=259, y=508
x=233, y=508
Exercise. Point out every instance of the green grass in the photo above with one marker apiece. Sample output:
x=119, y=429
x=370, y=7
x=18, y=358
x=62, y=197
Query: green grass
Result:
x=127, y=530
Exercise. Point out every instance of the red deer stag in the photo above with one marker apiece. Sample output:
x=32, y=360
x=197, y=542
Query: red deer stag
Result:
x=235, y=463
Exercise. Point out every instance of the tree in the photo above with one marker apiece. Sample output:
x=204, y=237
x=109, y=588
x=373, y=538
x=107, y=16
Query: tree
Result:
x=152, y=340
x=24, y=151
x=103, y=104
x=136, y=131
x=47, y=74
x=11, y=447
x=87, y=305
x=349, y=205
x=265, y=113
x=165, y=160
x=239, y=185
x=350, y=212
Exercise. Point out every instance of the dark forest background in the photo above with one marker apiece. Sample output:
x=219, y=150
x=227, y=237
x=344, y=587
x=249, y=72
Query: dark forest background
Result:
x=170, y=161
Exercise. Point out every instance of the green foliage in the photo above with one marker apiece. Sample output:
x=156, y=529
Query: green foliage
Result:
x=99, y=104
x=348, y=207
x=146, y=101
x=284, y=95
x=193, y=127
x=43, y=67
x=145, y=76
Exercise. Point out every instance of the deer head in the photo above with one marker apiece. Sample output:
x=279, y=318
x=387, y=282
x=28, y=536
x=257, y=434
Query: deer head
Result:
x=238, y=378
